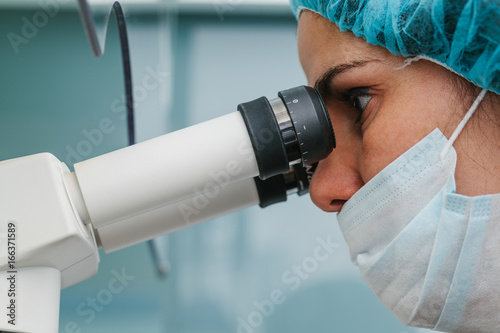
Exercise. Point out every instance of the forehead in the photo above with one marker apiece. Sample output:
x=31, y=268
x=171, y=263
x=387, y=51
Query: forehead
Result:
x=322, y=45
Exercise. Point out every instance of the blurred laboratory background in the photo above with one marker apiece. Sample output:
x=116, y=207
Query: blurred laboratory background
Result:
x=285, y=268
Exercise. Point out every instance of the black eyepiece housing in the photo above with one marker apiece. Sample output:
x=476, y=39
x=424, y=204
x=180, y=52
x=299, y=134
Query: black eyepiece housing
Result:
x=294, y=128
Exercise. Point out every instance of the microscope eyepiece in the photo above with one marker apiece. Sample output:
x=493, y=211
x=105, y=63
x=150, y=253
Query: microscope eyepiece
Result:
x=277, y=189
x=311, y=122
x=294, y=128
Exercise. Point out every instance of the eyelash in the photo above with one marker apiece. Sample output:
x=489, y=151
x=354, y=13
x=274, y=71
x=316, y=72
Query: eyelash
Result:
x=352, y=96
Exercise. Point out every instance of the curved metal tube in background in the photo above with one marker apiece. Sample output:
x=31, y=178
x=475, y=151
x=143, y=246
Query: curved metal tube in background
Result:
x=97, y=39
x=95, y=16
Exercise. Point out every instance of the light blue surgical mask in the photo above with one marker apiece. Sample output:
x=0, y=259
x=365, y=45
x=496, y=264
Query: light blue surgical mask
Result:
x=429, y=254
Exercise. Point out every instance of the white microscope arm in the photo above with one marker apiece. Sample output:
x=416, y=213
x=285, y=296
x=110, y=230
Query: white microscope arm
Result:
x=53, y=221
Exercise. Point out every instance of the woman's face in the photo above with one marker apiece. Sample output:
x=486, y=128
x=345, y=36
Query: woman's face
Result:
x=378, y=109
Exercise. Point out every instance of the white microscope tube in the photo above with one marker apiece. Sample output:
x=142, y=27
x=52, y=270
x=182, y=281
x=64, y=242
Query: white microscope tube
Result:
x=167, y=169
x=197, y=209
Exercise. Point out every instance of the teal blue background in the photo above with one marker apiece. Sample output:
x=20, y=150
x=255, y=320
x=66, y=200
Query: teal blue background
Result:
x=223, y=272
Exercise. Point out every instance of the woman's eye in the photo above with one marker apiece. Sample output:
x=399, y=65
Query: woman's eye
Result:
x=359, y=98
x=360, y=102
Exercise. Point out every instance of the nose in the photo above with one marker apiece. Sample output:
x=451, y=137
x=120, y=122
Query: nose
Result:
x=336, y=178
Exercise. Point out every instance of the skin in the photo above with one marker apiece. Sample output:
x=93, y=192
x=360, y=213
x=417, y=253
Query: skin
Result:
x=405, y=104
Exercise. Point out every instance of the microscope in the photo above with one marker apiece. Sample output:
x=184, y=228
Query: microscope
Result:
x=53, y=221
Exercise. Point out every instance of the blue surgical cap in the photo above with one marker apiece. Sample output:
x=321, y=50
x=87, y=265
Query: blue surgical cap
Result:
x=462, y=35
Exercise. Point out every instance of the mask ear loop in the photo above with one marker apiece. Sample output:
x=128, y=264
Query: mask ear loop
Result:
x=464, y=121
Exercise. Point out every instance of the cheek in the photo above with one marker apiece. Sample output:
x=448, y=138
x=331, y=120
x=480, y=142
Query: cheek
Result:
x=398, y=123
x=375, y=156
x=384, y=141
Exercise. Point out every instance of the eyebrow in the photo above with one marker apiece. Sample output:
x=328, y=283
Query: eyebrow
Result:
x=323, y=83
